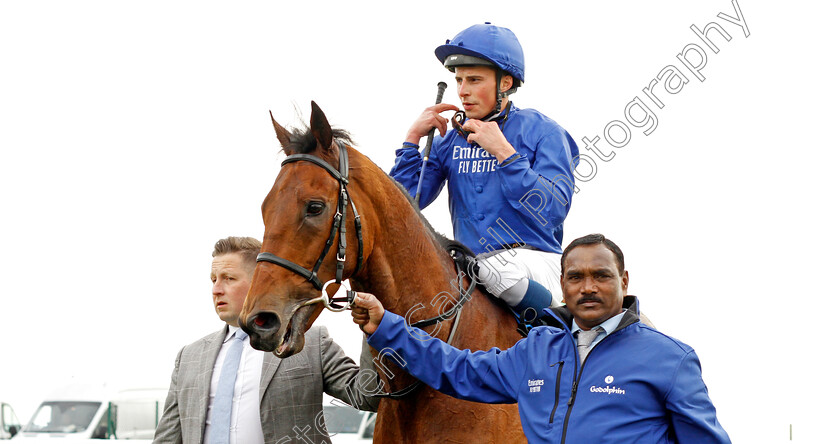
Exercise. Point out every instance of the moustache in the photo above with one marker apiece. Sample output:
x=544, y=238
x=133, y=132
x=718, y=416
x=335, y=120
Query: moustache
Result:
x=586, y=299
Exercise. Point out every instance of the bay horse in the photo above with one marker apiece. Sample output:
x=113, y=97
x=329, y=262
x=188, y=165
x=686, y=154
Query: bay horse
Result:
x=394, y=254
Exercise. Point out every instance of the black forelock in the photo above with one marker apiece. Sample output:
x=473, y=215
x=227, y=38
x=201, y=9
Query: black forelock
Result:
x=302, y=140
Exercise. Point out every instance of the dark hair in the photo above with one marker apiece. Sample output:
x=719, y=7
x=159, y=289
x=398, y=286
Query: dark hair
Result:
x=247, y=247
x=594, y=239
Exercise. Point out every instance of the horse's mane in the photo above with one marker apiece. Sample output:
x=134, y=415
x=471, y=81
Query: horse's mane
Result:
x=302, y=141
x=443, y=241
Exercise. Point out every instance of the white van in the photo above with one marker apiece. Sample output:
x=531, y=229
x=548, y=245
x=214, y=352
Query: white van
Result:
x=9, y=424
x=345, y=424
x=82, y=412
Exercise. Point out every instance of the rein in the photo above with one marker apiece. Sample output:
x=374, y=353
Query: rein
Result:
x=454, y=311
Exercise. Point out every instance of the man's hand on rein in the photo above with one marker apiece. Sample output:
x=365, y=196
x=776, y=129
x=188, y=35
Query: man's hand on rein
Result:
x=367, y=312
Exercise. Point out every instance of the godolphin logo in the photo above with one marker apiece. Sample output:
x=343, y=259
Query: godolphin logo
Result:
x=608, y=390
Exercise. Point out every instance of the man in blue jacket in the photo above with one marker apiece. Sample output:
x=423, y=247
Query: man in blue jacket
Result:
x=596, y=375
x=509, y=170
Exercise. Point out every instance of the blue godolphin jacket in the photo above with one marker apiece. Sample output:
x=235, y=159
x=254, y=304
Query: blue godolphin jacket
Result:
x=636, y=385
x=521, y=201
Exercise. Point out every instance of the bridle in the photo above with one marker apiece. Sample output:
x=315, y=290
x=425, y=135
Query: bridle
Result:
x=338, y=228
x=334, y=303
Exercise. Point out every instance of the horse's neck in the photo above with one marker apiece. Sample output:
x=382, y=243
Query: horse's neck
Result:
x=410, y=272
x=407, y=268
x=406, y=265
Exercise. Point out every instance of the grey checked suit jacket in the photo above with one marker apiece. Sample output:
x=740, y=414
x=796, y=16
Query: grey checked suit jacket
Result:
x=291, y=390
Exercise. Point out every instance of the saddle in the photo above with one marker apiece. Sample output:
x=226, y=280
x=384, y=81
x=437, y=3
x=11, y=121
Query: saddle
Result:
x=465, y=260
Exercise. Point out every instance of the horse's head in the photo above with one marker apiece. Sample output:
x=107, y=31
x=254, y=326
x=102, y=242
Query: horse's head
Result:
x=301, y=215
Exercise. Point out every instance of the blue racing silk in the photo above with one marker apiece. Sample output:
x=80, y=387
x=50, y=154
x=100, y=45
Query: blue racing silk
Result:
x=523, y=200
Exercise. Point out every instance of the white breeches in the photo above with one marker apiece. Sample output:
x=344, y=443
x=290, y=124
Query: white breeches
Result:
x=500, y=270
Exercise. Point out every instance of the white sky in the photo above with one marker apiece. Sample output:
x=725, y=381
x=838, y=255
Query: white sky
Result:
x=136, y=134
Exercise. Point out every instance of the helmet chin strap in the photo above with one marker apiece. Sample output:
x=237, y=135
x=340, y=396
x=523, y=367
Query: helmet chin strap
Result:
x=497, y=111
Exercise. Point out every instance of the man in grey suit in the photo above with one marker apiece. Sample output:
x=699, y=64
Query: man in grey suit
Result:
x=274, y=400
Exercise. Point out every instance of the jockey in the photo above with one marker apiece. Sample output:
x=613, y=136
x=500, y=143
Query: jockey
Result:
x=508, y=170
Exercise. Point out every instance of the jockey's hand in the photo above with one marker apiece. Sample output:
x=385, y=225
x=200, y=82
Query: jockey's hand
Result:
x=367, y=312
x=429, y=119
x=490, y=137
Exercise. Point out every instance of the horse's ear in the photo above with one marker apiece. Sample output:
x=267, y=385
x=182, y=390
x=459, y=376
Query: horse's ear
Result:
x=320, y=127
x=282, y=134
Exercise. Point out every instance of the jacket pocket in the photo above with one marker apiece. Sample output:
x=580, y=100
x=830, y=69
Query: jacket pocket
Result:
x=556, y=390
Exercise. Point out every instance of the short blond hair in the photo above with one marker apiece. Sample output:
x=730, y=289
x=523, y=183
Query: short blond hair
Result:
x=247, y=247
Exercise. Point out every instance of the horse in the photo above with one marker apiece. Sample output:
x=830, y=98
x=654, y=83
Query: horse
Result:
x=394, y=254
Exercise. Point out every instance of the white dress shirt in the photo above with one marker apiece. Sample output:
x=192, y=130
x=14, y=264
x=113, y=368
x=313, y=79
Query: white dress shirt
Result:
x=245, y=425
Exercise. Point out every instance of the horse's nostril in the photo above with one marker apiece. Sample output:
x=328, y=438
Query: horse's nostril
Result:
x=266, y=321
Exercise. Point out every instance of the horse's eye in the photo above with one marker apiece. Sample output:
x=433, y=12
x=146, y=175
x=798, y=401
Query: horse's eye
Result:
x=314, y=208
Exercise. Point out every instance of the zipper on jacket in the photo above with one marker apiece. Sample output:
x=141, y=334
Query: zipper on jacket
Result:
x=556, y=389
x=575, y=386
x=569, y=410
x=571, y=401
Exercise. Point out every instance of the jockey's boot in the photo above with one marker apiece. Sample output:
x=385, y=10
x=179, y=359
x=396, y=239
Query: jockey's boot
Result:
x=531, y=299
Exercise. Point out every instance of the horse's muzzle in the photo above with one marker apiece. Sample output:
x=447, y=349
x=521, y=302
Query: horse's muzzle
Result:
x=283, y=337
x=264, y=329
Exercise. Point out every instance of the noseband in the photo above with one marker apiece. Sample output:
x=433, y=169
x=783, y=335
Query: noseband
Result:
x=338, y=228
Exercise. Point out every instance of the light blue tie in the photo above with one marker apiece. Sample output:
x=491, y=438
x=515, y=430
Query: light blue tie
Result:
x=223, y=403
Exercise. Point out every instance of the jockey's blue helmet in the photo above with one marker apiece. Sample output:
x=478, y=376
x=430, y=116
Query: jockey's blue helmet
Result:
x=487, y=45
